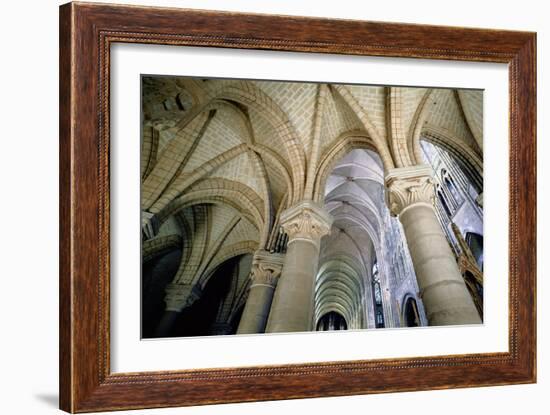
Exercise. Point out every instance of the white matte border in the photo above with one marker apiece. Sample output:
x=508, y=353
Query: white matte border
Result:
x=130, y=354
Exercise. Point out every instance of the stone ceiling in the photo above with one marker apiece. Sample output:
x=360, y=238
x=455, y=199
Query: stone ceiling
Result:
x=222, y=158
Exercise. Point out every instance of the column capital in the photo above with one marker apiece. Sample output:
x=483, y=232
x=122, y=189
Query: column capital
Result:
x=266, y=268
x=306, y=220
x=180, y=296
x=407, y=186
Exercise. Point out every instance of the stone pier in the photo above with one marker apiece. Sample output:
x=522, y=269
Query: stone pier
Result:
x=410, y=195
x=292, y=309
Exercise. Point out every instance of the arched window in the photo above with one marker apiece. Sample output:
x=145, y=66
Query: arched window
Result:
x=444, y=203
x=332, y=321
x=379, y=319
x=410, y=313
x=377, y=293
x=451, y=187
x=475, y=242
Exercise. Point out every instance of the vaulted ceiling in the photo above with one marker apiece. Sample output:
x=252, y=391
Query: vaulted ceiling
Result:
x=222, y=158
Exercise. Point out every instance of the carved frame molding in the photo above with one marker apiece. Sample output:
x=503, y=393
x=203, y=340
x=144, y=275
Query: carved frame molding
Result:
x=86, y=33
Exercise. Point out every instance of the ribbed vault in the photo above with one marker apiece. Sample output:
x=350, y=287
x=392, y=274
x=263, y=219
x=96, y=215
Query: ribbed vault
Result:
x=222, y=159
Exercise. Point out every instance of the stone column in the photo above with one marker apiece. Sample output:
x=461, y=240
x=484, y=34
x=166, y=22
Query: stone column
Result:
x=178, y=297
x=292, y=308
x=266, y=269
x=410, y=195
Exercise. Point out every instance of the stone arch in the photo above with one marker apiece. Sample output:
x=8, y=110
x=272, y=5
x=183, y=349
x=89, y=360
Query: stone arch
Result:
x=396, y=136
x=338, y=309
x=157, y=197
x=250, y=95
x=231, y=96
x=366, y=226
x=379, y=141
x=225, y=254
x=199, y=243
x=260, y=168
x=281, y=165
x=348, y=141
x=149, y=148
x=184, y=182
x=332, y=314
x=468, y=158
x=186, y=235
x=227, y=200
x=234, y=194
x=415, y=129
x=157, y=246
x=339, y=287
x=195, y=91
x=337, y=291
x=172, y=157
x=410, y=313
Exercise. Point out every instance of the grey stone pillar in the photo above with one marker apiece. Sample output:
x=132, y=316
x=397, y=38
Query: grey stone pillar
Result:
x=266, y=269
x=166, y=323
x=410, y=195
x=292, y=308
x=178, y=297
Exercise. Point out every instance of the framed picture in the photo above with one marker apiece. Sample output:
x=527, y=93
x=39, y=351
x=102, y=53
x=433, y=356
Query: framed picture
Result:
x=259, y=207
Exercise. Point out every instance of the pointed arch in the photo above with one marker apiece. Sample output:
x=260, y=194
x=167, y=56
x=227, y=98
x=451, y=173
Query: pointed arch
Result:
x=346, y=142
x=235, y=194
x=415, y=129
x=379, y=141
x=226, y=253
x=246, y=94
x=469, y=159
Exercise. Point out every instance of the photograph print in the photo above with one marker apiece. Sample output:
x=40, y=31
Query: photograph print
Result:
x=277, y=206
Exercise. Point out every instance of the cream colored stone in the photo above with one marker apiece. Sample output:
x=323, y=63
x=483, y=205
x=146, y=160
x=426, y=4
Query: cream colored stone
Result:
x=292, y=307
x=266, y=269
x=442, y=287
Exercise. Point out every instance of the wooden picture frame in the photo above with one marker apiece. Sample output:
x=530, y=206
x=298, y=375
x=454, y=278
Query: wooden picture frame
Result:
x=86, y=33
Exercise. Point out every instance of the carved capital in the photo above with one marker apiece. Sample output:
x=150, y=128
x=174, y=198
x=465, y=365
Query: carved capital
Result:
x=407, y=186
x=263, y=274
x=266, y=268
x=180, y=296
x=307, y=221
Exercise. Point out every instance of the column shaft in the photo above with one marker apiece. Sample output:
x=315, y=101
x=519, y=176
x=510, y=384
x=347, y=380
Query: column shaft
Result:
x=444, y=293
x=292, y=308
x=256, y=309
x=166, y=323
x=265, y=271
x=410, y=195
